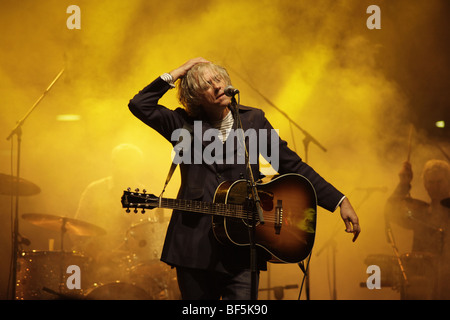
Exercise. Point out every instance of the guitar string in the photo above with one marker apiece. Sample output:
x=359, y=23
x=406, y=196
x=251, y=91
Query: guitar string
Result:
x=229, y=210
x=222, y=209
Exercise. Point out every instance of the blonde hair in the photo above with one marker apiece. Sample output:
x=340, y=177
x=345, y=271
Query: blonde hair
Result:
x=437, y=166
x=193, y=84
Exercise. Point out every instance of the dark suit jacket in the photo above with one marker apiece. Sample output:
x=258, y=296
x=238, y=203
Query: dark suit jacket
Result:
x=189, y=240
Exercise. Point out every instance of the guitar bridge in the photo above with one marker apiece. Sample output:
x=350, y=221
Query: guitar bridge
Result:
x=278, y=216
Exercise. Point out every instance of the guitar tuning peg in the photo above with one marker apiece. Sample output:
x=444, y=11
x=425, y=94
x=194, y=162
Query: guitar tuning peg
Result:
x=143, y=211
x=135, y=210
x=144, y=191
x=128, y=210
x=137, y=189
x=128, y=189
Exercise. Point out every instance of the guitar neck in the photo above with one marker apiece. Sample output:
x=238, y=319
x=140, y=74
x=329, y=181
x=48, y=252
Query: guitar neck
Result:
x=221, y=209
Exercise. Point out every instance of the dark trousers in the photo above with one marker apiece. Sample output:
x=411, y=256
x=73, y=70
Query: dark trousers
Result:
x=198, y=284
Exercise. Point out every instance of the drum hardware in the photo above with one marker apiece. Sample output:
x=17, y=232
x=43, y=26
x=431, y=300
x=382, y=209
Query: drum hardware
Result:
x=417, y=272
x=16, y=188
x=63, y=224
x=117, y=291
x=143, y=277
x=398, y=260
x=62, y=296
x=47, y=269
x=9, y=185
x=279, y=290
x=40, y=273
x=145, y=240
x=158, y=279
x=390, y=273
x=409, y=213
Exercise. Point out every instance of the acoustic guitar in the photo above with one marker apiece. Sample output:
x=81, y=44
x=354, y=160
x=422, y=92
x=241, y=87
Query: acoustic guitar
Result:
x=289, y=205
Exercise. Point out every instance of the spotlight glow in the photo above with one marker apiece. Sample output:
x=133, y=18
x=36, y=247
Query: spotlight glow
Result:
x=68, y=117
x=440, y=124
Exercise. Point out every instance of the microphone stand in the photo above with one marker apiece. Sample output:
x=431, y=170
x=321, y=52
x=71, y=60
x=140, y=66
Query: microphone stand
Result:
x=279, y=290
x=17, y=130
x=306, y=141
x=308, y=137
x=255, y=204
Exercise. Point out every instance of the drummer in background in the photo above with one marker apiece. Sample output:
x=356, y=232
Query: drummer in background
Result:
x=429, y=222
x=100, y=205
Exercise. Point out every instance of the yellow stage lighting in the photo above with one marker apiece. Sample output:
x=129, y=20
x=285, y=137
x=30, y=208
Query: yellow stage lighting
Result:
x=440, y=124
x=68, y=117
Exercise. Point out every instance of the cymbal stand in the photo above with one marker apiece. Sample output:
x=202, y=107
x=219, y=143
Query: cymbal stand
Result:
x=397, y=254
x=61, y=263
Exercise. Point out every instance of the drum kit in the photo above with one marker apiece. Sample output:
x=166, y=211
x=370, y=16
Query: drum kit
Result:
x=43, y=275
x=417, y=274
x=413, y=274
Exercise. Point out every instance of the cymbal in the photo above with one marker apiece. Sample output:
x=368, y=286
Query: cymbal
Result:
x=8, y=185
x=446, y=202
x=415, y=204
x=56, y=223
x=407, y=212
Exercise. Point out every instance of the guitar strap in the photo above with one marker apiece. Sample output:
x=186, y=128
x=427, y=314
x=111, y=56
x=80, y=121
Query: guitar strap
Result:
x=174, y=165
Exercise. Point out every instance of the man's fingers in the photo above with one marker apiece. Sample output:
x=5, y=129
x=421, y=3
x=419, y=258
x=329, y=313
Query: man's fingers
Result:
x=348, y=226
x=351, y=227
x=356, y=233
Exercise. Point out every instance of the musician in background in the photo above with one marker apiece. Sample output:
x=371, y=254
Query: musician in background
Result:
x=428, y=265
x=205, y=268
x=100, y=205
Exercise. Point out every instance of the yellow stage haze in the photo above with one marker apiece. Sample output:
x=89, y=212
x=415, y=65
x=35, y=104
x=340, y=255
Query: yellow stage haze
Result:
x=347, y=86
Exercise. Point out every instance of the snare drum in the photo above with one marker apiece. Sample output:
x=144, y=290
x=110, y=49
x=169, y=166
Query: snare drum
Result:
x=419, y=264
x=390, y=273
x=422, y=273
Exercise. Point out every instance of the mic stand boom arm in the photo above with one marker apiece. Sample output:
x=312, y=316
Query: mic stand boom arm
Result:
x=17, y=130
x=308, y=137
x=20, y=122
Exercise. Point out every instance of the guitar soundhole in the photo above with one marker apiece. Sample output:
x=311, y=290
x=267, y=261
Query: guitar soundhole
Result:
x=266, y=200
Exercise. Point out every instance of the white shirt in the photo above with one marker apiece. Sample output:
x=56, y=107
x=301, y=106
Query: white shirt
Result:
x=224, y=126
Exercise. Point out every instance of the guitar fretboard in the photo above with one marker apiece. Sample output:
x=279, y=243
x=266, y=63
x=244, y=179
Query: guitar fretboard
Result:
x=222, y=209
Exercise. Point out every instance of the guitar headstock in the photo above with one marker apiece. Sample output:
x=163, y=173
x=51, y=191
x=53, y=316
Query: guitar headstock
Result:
x=138, y=200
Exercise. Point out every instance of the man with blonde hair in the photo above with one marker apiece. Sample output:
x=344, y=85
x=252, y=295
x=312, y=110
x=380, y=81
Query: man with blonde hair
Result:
x=206, y=269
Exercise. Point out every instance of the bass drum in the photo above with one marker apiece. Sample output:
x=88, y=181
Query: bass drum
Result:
x=145, y=240
x=117, y=291
x=158, y=279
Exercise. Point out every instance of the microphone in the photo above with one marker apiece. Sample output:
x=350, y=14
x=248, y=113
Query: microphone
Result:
x=230, y=91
